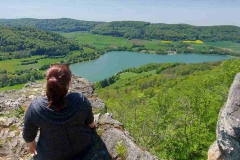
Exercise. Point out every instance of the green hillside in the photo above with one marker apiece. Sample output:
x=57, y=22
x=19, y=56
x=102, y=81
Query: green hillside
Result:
x=133, y=29
x=174, y=113
x=174, y=32
x=62, y=24
x=20, y=42
x=25, y=51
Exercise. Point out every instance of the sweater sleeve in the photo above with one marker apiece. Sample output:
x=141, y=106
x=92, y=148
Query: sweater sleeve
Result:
x=29, y=128
x=90, y=117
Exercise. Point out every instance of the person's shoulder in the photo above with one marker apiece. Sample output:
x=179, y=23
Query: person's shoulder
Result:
x=78, y=97
x=75, y=95
x=38, y=101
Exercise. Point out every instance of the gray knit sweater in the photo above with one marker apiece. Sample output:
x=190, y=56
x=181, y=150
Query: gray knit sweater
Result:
x=64, y=134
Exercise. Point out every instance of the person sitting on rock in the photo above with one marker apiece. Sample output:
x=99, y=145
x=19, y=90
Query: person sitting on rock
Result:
x=64, y=120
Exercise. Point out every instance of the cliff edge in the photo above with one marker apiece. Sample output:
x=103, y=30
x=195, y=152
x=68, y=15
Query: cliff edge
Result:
x=110, y=141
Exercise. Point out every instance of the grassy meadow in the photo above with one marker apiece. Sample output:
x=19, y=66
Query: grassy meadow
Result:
x=17, y=87
x=15, y=64
x=232, y=46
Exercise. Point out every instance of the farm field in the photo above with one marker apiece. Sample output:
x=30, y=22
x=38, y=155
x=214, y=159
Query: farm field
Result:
x=128, y=75
x=235, y=47
x=17, y=87
x=15, y=64
x=98, y=41
x=101, y=42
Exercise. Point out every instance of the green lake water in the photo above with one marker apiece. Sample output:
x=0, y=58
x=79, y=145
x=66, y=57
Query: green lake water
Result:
x=115, y=61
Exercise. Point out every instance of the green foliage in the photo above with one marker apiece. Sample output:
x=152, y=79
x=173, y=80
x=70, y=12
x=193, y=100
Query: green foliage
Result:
x=133, y=29
x=107, y=82
x=14, y=113
x=143, y=68
x=22, y=42
x=173, y=114
x=165, y=66
x=62, y=24
x=19, y=77
x=13, y=128
x=2, y=143
x=121, y=149
x=19, y=112
x=172, y=32
x=226, y=45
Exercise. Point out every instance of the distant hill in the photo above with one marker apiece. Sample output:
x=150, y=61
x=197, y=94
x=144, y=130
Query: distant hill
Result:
x=174, y=32
x=17, y=42
x=63, y=24
x=133, y=29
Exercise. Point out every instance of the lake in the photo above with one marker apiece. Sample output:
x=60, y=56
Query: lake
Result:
x=115, y=61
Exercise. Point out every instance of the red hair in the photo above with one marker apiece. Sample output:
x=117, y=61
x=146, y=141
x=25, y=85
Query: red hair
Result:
x=58, y=78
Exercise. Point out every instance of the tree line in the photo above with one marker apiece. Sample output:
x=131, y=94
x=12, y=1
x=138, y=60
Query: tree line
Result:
x=61, y=25
x=173, y=32
x=19, y=77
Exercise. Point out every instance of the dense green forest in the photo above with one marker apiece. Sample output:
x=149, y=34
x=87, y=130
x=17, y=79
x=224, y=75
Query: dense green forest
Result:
x=133, y=29
x=19, y=77
x=174, y=32
x=173, y=113
x=20, y=42
x=63, y=24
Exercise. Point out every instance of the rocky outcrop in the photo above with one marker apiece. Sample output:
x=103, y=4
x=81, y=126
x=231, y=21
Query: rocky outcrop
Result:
x=111, y=140
x=227, y=146
x=10, y=100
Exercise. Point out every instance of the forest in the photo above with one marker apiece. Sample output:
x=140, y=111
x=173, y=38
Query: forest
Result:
x=19, y=77
x=173, y=32
x=61, y=25
x=22, y=42
x=173, y=113
x=133, y=29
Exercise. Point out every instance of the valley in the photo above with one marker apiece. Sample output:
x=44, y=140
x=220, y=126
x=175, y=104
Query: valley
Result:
x=165, y=83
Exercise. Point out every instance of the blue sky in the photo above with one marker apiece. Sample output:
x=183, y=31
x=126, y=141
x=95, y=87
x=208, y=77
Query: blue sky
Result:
x=201, y=12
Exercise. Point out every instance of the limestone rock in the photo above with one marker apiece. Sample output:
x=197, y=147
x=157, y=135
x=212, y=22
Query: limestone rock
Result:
x=214, y=152
x=228, y=126
x=112, y=132
x=11, y=100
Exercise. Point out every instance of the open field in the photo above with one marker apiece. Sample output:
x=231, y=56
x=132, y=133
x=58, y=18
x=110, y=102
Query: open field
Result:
x=199, y=46
x=15, y=64
x=127, y=75
x=72, y=35
x=235, y=47
x=17, y=87
x=100, y=42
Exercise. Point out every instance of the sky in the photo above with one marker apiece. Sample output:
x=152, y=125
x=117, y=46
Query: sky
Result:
x=195, y=12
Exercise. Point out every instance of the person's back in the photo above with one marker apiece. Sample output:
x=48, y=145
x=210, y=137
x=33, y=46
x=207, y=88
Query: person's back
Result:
x=63, y=121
